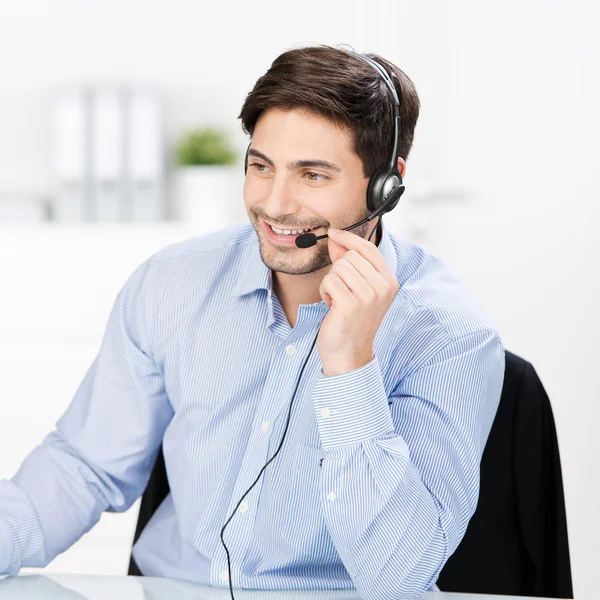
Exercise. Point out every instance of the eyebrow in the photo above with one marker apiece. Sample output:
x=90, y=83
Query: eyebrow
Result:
x=298, y=164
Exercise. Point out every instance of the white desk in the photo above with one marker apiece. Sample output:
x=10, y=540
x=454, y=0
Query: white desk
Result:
x=101, y=587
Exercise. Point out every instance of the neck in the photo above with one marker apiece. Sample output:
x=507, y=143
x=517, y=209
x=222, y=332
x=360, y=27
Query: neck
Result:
x=293, y=290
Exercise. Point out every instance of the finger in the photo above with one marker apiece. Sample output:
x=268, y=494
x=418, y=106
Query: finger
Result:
x=355, y=282
x=335, y=250
x=351, y=241
x=375, y=280
x=339, y=292
x=324, y=294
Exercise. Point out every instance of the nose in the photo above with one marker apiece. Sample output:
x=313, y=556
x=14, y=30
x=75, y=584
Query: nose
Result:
x=280, y=199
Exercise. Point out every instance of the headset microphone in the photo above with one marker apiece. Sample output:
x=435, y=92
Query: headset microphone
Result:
x=306, y=240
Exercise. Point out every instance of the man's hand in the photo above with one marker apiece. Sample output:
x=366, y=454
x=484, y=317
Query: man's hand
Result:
x=359, y=289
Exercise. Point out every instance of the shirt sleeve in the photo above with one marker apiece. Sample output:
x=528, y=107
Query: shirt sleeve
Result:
x=400, y=471
x=101, y=454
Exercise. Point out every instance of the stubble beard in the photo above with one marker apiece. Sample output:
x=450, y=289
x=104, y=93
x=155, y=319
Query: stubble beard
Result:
x=299, y=261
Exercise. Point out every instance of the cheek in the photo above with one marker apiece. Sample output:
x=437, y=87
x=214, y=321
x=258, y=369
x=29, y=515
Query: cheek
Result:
x=251, y=192
x=246, y=190
x=347, y=202
x=357, y=198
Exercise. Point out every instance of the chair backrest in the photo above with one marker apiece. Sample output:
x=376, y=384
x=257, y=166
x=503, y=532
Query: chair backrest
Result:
x=516, y=542
x=510, y=547
x=156, y=491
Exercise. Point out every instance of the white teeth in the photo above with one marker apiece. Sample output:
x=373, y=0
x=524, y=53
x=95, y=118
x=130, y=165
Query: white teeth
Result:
x=288, y=231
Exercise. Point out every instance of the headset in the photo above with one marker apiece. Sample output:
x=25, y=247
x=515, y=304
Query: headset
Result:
x=385, y=185
x=383, y=193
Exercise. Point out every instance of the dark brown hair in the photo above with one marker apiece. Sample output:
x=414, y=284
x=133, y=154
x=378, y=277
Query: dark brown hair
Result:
x=333, y=83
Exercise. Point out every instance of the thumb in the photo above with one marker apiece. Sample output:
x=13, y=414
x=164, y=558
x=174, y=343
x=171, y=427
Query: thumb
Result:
x=336, y=251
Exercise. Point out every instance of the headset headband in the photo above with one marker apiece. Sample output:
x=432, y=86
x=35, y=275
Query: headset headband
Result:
x=397, y=122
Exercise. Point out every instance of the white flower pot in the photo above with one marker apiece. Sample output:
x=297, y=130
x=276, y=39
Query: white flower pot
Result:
x=212, y=195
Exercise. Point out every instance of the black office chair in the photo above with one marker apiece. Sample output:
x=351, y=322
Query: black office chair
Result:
x=516, y=543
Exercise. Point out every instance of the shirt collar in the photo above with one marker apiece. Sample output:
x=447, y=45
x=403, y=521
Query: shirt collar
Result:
x=256, y=275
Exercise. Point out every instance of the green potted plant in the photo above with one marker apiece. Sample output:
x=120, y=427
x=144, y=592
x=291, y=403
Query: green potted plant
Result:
x=208, y=184
x=207, y=146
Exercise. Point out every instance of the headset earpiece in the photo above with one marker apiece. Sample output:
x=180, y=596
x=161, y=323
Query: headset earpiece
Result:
x=381, y=185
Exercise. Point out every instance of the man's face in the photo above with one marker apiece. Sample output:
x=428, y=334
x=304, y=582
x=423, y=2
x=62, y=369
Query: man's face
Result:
x=302, y=174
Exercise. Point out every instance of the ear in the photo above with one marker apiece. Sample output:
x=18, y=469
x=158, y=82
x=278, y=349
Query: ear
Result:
x=401, y=166
x=335, y=250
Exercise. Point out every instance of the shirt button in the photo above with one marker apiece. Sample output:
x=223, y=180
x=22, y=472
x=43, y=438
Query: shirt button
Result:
x=331, y=496
x=325, y=413
x=266, y=425
x=244, y=507
x=224, y=575
x=291, y=349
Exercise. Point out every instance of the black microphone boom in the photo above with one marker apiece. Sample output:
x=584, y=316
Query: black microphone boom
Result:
x=306, y=240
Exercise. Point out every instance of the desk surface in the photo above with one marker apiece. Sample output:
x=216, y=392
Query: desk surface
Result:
x=92, y=587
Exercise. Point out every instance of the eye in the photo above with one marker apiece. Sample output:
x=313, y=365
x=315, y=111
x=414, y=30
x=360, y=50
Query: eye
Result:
x=314, y=176
x=259, y=167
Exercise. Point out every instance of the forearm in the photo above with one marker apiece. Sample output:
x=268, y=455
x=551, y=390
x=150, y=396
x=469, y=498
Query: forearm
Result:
x=100, y=456
x=54, y=499
x=384, y=522
x=400, y=475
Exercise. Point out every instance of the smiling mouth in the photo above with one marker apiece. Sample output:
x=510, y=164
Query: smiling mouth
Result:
x=289, y=231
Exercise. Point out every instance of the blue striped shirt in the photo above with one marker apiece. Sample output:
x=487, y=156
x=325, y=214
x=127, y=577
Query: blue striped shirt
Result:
x=379, y=473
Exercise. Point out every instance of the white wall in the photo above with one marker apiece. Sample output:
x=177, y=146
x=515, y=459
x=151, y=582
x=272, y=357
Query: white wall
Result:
x=520, y=127
x=505, y=148
x=205, y=55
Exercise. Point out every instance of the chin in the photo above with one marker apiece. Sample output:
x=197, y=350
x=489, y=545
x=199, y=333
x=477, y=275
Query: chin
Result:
x=302, y=262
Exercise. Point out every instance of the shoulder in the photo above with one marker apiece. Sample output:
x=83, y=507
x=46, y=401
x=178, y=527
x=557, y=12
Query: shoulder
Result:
x=428, y=285
x=200, y=259
x=181, y=275
x=433, y=309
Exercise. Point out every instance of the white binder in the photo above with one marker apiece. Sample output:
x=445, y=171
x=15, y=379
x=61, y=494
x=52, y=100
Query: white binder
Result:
x=70, y=141
x=107, y=154
x=146, y=160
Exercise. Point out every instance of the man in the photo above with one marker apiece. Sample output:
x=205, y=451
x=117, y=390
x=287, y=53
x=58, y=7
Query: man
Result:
x=210, y=339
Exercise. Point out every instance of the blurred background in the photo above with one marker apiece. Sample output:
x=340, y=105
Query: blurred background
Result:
x=119, y=135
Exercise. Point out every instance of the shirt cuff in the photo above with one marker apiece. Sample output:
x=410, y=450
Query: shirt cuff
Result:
x=6, y=548
x=352, y=408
